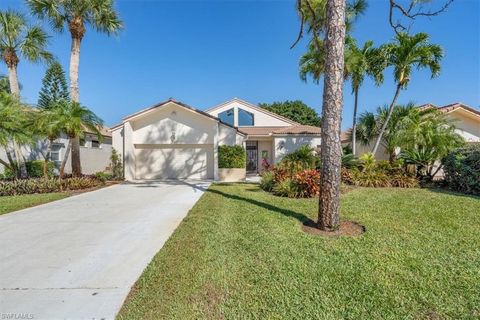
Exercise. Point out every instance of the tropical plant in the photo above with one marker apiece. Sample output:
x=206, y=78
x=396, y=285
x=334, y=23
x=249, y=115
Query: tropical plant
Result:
x=294, y=110
x=116, y=165
x=15, y=130
x=54, y=87
x=73, y=119
x=427, y=136
x=301, y=159
x=4, y=84
x=19, y=40
x=231, y=156
x=76, y=15
x=462, y=169
x=404, y=54
x=267, y=181
x=360, y=62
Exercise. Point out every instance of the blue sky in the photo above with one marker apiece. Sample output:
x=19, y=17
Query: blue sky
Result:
x=206, y=52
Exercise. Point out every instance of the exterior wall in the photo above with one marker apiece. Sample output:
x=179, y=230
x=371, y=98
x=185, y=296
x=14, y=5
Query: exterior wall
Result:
x=92, y=159
x=172, y=125
x=468, y=126
x=261, y=119
x=265, y=145
x=229, y=136
x=287, y=144
x=117, y=140
x=362, y=149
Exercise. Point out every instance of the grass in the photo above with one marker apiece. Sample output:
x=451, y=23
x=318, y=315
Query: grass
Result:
x=13, y=203
x=240, y=254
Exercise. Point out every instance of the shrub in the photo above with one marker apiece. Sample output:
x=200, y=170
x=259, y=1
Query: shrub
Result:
x=285, y=188
x=116, y=165
x=404, y=181
x=231, y=157
x=268, y=180
x=34, y=169
x=370, y=178
x=103, y=176
x=462, y=169
x=301, y=159
x=31, y=186
x=306, y=183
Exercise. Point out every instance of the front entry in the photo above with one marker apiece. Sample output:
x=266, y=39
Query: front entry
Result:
x=252, y=156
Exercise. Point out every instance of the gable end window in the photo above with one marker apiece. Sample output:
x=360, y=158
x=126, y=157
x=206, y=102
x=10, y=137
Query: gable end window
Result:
x=245, y=118
x=227, y=116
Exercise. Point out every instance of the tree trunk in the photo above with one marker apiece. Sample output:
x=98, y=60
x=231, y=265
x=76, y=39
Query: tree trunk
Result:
x=384, y=126
x=354, y=127
x=76, y=165
x=47, y=159
x=331, y=148
x=15, y=89
x=65, y=158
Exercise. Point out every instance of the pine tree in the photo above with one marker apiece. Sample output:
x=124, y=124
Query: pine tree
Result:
x=54, y=87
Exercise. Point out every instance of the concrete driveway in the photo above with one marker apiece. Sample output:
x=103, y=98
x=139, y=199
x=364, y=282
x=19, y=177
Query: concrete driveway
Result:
x=77, y=258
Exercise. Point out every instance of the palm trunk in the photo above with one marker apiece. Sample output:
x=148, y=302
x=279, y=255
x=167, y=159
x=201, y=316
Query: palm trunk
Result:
x=74, y=91
x=76, y=165
x=47, y=158
x=15, y=89
x=331, y=148
x=354, y=127
x=384, y=126
x=65, y=158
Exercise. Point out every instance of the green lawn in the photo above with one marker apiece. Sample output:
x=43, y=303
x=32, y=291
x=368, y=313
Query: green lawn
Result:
x=12, y=203
x=240, y=254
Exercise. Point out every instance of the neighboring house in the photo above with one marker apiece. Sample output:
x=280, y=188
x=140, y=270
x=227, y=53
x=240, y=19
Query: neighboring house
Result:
x=466, y=120
x=172, y=140
x=94, y=154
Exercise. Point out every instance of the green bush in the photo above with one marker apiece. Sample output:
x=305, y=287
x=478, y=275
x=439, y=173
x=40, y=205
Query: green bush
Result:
x=462, y=169
x=285, y=188
x=103, y=176
x=31, y=186
x=231, y=157
x=116, y=165
x=268, y=181
x=301, y=159
x=34, y=169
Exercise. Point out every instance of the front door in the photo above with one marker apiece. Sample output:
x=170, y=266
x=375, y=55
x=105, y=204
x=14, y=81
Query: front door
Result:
x=252, y=156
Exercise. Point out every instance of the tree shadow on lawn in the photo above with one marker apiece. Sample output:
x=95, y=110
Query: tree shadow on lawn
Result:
x=288, y=213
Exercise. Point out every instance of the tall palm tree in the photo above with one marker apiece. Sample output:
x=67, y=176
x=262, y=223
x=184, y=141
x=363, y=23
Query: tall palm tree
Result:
x=76, y=15
x=73, y=119
x=360, y=62
x=19, y=40
x=405, y=53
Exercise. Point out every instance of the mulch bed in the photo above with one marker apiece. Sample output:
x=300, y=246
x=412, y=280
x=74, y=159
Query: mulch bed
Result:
x=347, y=228
x=80, y=191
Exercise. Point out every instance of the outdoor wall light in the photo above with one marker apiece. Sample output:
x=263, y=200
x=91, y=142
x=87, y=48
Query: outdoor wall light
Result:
x=172, y=137
x=174, y=113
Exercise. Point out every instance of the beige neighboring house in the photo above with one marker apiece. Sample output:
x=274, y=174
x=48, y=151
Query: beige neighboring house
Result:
x=465, y=118
x=94, y=154
x=172, y=140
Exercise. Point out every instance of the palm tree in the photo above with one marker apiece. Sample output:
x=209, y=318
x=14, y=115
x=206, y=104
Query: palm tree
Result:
x=403, y=54
x=73, y=119
x=15, y=126
x=4, y=85
x=75, y=15
x=19, y=40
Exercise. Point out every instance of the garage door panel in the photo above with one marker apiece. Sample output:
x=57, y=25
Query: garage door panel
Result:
x=174, y=162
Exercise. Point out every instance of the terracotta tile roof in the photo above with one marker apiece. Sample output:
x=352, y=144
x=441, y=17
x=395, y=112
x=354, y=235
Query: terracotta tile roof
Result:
x=301, y=129
x=450, y=107
x=105, y=131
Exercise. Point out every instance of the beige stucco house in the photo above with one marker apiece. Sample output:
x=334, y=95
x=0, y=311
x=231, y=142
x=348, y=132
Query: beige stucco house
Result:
x=465, y=118
x=172, y=140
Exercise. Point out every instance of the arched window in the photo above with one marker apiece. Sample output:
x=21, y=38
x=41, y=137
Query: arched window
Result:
x=245, y=118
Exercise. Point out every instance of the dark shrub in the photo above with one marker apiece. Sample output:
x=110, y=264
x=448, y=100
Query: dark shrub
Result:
x=301, y=159
x=34, y=169
x=103, y=176
x=231, y=157
x=462, y=169
x=116, y=165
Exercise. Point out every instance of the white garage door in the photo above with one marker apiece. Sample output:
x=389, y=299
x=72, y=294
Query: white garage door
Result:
x=174, y=161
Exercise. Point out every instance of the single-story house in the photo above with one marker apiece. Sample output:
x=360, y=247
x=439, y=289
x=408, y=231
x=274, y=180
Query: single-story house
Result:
x=172, y=140
x=94, y=153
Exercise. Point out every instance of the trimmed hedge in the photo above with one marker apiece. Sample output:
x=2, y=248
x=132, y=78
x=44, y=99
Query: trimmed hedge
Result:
x=231, y=157
x=31, y=186
x=34, y=169
x=462, y=169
